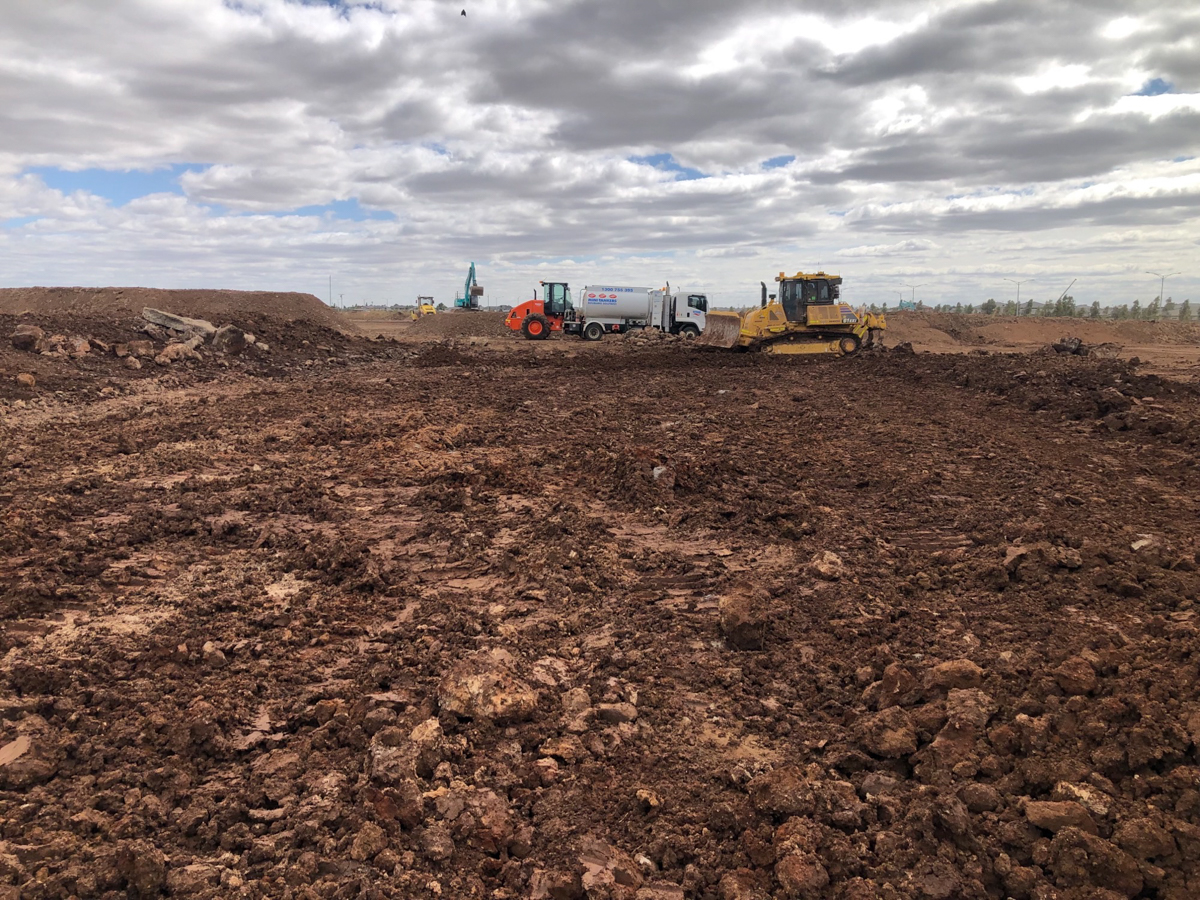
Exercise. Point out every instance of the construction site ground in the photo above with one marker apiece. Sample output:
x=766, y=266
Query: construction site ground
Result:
x=471, y=617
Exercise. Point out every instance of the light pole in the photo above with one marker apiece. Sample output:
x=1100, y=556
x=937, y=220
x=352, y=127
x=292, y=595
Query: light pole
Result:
x=1162, y=283
x=914, y=290
x=1018, y=284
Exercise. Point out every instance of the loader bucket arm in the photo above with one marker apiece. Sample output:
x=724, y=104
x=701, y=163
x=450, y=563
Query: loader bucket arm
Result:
x=721, y=329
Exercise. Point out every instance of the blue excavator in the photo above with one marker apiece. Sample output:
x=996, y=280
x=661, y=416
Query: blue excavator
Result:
x=472, y=291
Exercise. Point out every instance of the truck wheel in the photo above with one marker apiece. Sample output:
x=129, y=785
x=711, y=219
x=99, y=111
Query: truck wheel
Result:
x=536, y=327
x=593, y=331
x=690, y=331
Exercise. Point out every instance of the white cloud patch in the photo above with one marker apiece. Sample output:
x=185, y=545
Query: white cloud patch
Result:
x=944, y=138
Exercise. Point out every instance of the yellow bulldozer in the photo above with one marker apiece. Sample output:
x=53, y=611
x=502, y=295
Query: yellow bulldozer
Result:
x=807, y=316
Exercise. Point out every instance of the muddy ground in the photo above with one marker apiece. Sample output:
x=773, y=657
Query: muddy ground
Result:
x=465, y=622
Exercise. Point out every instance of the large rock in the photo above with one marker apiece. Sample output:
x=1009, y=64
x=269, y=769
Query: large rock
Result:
x=1076, y=676
x=484, y=686
x=178, y=323
x=1055, y=815
x=605, y=866
x=179, y=350
x=827, y=566
x=29, y=338
x=801, y=876
x=143, y=867
x=890, y=734
x=1143, y=839
x=957, y=673
x=26, y=380
x=229, y=339
x=1079, y=859
x=744, y=617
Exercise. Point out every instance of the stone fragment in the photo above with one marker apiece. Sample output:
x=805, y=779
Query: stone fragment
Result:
x=616, y=713
x=176, y=352
x=827, y=566
x=898, y=687
x=131, y=362
x=436, y=843
x=744, y=617
x=483, y=686
x=660, y=890
x=890, y=734
x=29, y=338
x=980, y=798
x=1076, y=676
x=178, y=323
x=741, y=884
x=26, y=380
x=196, y=878
x=605, y=866
x=140, y=348
x=1090, y=798
x=1083, y=860
x=212, y=656
x=801, y=876
x=956, y=673
x=143, y=867
x=229, y=339
x=1055, y=815
x=1143, y=839
x=370, y=840
x=78, y=347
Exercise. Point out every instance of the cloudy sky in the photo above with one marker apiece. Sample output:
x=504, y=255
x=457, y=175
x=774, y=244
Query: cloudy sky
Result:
x=269, y=144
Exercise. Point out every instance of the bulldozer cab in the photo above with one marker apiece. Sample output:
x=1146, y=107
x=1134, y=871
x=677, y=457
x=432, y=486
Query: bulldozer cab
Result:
x=796, y=294
x=556, y=298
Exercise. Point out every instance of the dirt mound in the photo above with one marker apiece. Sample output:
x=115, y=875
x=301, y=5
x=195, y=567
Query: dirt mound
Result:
x=461, y=323
x=204, y=304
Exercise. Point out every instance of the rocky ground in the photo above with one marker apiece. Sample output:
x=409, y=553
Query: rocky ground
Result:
x=667, y=624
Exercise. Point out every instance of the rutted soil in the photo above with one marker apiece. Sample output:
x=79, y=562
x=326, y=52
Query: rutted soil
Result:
x=661, y=624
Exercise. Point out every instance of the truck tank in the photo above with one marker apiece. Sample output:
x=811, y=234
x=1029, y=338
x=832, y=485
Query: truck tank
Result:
x=613, y=302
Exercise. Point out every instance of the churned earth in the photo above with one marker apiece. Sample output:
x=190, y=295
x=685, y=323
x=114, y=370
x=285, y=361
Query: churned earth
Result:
x=664, y=624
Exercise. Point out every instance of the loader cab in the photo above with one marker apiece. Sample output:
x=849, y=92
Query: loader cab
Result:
x=556, y=298
x=797, y=293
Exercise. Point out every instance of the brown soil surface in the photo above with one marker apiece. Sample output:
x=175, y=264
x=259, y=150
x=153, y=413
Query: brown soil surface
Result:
x=1170, y=347
x=217, y=306
x=467, y=623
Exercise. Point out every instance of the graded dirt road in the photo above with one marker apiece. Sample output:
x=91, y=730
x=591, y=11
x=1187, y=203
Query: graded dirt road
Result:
x=467, y=622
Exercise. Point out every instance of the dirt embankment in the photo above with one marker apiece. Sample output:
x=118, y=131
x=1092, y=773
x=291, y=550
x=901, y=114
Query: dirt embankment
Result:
x=900, y=627
x=93, y=303
x=950, y=331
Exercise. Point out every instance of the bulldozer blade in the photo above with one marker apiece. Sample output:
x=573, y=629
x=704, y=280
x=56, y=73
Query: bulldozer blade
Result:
x=721, y=329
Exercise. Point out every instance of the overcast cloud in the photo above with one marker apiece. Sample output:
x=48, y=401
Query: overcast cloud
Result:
x=268, y=144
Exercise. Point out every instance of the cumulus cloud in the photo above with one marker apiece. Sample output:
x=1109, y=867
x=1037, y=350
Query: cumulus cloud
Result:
x=391, y=142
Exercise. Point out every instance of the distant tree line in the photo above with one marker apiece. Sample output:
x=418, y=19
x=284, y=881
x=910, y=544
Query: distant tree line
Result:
x=1067, y=307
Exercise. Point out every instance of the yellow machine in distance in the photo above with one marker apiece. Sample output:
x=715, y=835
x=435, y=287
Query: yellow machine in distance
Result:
x=807, y=316
x=424, y=308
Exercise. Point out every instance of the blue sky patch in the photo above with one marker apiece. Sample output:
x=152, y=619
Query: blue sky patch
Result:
x=1154, y=87
x=665, y=162
x=778, y=162
x=346, y=210
x=18, y=222
x=117, y=187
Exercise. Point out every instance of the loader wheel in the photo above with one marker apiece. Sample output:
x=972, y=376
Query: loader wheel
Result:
x=849, y=345
x=593, y=331
x=536, y=327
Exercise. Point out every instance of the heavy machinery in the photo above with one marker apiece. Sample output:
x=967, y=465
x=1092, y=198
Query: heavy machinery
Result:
x=472, y=291
x=425, y=307
x=608, y=309
x=538, y=317
x=807, y=317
